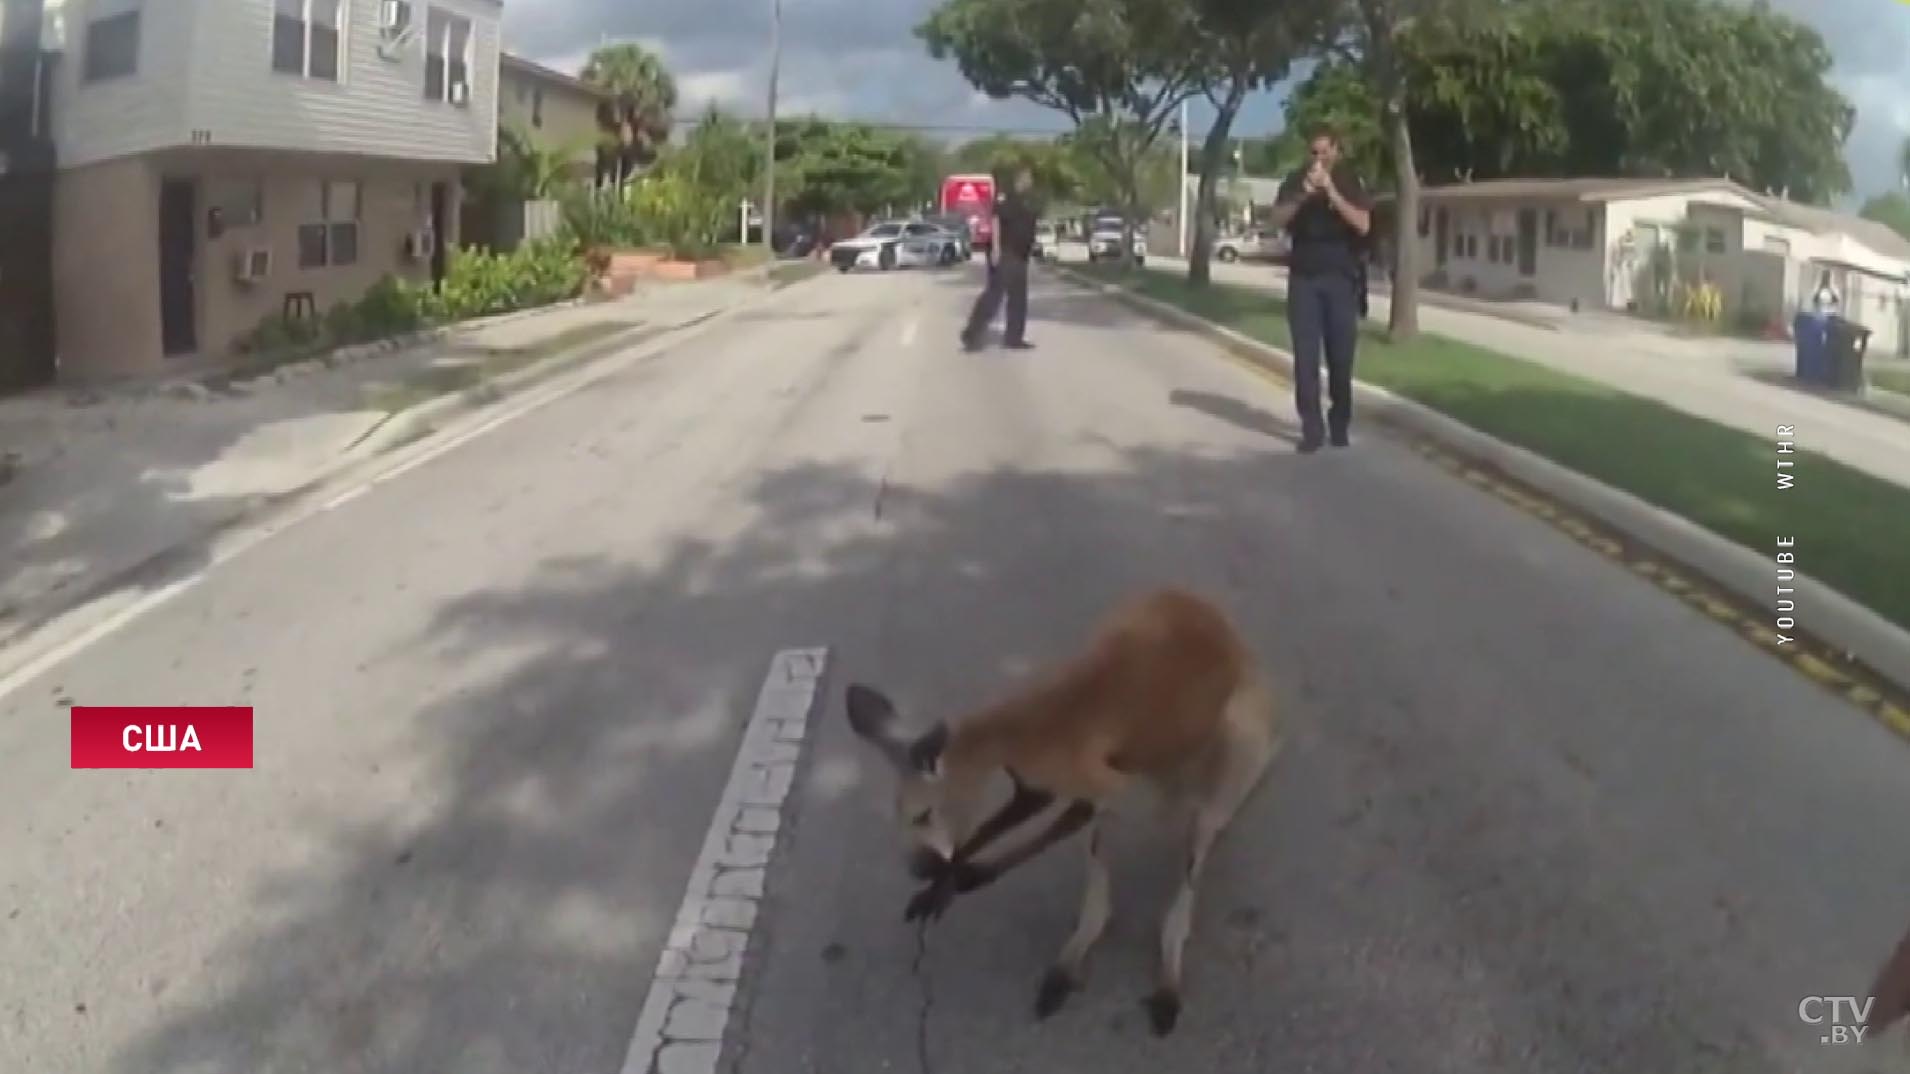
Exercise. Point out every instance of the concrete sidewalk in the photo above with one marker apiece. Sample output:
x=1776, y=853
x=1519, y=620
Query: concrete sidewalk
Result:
x=1712, y=379
x=99, y=482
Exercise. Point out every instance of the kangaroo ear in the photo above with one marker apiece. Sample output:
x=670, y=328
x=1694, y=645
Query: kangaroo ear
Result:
x=873, y=717
x=925, y=753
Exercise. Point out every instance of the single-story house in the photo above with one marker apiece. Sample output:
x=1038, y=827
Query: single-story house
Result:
x=1619, y=244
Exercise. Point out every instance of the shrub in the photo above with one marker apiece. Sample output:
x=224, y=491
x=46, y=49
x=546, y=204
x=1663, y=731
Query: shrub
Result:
x=479, y=282
x=601, y=220
x=476, y=283
x=687, y=217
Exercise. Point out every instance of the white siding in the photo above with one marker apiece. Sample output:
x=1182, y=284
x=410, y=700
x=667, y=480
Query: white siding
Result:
x=217, y=87
x=142, y=111
x=377, y=107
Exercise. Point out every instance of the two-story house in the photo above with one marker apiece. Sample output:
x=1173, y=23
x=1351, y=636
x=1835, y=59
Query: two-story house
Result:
x=555, y=111
x=222, y=161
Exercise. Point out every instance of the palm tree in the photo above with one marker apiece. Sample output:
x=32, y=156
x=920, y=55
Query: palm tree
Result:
x=636, y=119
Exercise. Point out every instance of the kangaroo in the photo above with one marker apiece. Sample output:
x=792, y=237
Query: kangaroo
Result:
x=1164, y=693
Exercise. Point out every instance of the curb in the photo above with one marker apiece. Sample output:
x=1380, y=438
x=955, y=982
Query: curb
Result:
x=1844, y=626
x=21, y=643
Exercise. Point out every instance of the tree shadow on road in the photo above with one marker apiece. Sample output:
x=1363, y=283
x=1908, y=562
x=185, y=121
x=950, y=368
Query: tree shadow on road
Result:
x=541, y=823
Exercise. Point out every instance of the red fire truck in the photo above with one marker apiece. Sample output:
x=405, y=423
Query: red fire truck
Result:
x=972, y=198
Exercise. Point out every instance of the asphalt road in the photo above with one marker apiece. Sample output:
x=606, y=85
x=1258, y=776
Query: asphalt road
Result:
x=1535, y=816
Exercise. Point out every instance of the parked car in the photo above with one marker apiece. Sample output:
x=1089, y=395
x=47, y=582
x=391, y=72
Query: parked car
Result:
x=1047, y=241
x=1104, y=242
x=1255, y=244
x=895, y=244
x=958, y=227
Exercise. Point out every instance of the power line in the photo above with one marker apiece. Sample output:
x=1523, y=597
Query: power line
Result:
x=691, y=120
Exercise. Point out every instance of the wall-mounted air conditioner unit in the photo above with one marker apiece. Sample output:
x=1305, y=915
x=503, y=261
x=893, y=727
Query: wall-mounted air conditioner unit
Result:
x=420, y=243
x=253, y=264
x=460, y=93
x=395, y=29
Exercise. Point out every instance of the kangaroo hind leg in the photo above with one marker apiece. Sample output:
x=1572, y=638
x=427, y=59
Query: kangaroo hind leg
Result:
x=1066, y=973
x=1232, y=774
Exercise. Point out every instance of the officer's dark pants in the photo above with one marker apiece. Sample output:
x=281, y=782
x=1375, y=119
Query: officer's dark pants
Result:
x=1009, y=278
x=1323, y=315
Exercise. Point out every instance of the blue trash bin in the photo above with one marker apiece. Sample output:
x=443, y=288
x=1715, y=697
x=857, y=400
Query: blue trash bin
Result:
x=1811, y=332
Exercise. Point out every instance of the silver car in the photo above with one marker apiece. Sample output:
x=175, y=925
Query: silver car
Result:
x=1252, y=245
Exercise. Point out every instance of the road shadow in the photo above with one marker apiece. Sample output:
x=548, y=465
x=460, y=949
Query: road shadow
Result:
x=1234, y=412
x=100, y=469
x=522, y=884
x=125, y=485
x=542, y=871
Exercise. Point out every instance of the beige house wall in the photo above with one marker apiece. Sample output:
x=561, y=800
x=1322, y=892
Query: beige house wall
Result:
x=554, y=115
x=106, y=269
x=107, y=246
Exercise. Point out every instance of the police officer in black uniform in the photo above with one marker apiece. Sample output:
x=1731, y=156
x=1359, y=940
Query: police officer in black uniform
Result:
x=1014, y=246
x=1328, y=213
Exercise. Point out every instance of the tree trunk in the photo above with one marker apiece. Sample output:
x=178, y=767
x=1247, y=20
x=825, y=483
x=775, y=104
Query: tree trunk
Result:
x=1213, y=153
x=1403, y=323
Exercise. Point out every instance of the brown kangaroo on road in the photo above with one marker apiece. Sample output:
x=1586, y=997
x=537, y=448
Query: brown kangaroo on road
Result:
x=1165, y=692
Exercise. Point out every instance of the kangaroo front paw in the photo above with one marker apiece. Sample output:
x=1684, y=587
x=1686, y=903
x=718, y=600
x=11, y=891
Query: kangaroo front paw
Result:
x=1163, y=1011
x=1056, y=987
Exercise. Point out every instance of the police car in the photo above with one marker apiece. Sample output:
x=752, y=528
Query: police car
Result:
x=895, y=244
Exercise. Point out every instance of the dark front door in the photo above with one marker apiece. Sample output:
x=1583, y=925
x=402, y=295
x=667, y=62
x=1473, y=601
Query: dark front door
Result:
x=1528, y=242
x=26, y=279
x=1442, y=234
x=440, y=227
x=178, y=206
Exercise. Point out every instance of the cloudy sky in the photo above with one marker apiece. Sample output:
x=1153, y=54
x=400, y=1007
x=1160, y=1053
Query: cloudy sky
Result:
x=858, y=58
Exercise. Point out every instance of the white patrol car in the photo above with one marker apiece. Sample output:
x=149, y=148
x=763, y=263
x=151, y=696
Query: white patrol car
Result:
x=895, y=244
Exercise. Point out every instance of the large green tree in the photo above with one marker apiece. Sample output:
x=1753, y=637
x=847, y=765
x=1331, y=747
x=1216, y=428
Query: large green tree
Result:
x=1056, y=170
x=1378, y=37
x=1248, y=45
x=825, y=168
x=635, y=122
x=1624, y=87
x=719, y=155
x=1891, y=209
x=1480, y=89
x=1118, y=69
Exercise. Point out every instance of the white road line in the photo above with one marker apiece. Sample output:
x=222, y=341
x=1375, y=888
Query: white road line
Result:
x=680, y=1030
x=908, y=332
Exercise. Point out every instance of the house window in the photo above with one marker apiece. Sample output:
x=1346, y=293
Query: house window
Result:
x=305, y=38
x=1714, y=240
x=331, y=239
x=239, y=202
x=537, y=107
x=112, y=39
x=1582, y=239
x=447, y=59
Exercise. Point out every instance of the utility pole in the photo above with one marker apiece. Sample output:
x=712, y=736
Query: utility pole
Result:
x=1182, y=214
x=769, y=137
